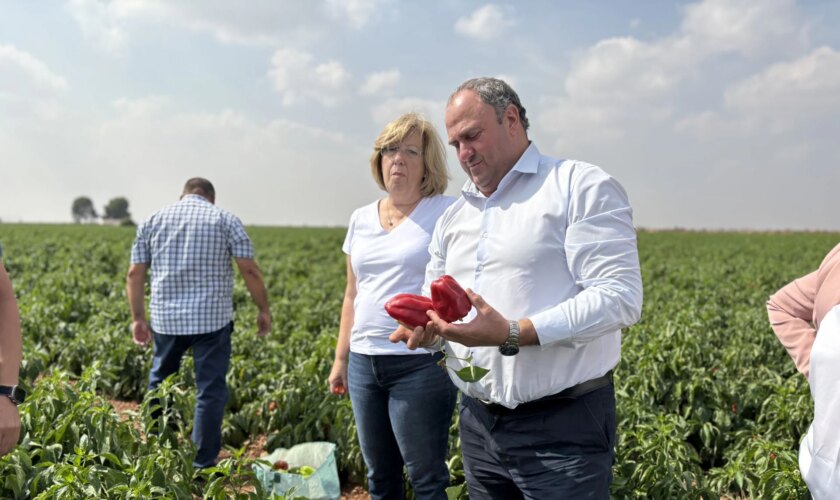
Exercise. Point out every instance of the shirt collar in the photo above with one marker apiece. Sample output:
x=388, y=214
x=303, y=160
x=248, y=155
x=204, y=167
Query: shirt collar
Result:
x=195, y=197
x=528, y=163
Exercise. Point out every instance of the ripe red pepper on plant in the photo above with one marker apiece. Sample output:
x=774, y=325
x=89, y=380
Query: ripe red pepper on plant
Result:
x=449, y=299
x=409, y=308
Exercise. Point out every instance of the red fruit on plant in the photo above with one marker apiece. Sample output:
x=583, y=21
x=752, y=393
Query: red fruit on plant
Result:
x=409, y=308
x=272, y=406
x=449, y=299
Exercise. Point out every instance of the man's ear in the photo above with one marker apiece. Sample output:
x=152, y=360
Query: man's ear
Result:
x=511, y=116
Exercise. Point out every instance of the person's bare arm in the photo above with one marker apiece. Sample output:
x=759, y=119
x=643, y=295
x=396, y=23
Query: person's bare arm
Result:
x=136, y=290
x=256, y=287
x=338, y=375
x=11, y=352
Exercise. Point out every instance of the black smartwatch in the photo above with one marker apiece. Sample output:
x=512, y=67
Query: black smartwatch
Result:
x=15, y=393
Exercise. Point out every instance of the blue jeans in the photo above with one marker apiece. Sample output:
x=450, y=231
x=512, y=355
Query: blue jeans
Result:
x=561, y=450
x=403, y=407
x=211, y=357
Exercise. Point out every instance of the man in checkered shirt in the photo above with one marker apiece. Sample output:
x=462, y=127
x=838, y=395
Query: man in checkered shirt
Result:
x=189, y=246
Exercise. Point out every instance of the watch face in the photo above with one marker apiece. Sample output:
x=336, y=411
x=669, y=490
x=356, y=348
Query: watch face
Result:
x=508, y=350
x=16, y=394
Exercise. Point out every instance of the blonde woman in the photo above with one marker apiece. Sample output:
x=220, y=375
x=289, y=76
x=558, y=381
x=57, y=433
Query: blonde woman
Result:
x=402, y=400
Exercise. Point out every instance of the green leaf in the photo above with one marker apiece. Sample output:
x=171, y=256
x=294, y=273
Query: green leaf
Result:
x=456, y=492
x=472, y=373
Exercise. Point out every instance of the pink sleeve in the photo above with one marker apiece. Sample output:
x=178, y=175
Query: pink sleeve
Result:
x=791, y=312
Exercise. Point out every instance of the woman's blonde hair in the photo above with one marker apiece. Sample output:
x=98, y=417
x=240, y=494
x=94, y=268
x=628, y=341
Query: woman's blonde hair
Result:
x=435, y=176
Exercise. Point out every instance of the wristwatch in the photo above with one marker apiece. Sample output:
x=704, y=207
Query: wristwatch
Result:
x=15, y=393
x=511, y=345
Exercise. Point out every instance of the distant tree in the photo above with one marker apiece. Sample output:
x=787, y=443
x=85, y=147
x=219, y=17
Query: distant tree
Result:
x=83, y=210
x=117, y=209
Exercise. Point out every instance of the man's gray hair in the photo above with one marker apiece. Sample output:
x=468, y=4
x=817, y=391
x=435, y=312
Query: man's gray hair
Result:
x=496, y=93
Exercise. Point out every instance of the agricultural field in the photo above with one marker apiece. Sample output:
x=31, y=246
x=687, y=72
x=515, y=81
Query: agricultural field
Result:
x=710, y=405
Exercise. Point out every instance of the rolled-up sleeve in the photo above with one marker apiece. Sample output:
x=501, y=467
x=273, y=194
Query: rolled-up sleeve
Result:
x=791, y=313
x=603, y=259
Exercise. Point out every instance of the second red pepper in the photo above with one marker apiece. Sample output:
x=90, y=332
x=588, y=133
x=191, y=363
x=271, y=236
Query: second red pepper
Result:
x=449, y=299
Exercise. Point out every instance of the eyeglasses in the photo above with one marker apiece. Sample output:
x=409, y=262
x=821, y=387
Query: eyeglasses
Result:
x=408, y=151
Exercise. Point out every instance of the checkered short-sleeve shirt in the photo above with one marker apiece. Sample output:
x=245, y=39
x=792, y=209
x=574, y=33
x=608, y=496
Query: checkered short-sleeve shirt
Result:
x=189, y=246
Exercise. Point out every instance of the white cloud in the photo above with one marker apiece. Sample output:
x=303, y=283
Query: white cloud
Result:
x=486, y=23
x=100, y=23
x=20, y=69
x=390, y=109
x=260, y=23
x=298, y=78
x=810, y=83
x=744, y=26
x=621, y=70
x=146, y=106
x=706, y=116
x=380, y=83
x=271, y=172
x=802, y=93
x=357, y=12
x=28, y=87
x=620, y=85
x=290, y=168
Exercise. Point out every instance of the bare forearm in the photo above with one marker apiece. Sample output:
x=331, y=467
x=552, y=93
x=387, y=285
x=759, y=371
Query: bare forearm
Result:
x=256, y=287
x=342, y=347
x=10, y=342
x=136, y=290
x=348, y=316
x=10, y=339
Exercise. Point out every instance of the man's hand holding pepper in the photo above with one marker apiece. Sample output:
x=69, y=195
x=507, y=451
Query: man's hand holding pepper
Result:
x=487, y=328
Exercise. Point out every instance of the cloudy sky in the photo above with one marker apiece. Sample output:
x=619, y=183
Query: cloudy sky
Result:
x=716, y=114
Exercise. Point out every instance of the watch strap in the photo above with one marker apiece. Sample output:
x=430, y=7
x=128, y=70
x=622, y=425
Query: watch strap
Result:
x=15, y=393
x=511, y=345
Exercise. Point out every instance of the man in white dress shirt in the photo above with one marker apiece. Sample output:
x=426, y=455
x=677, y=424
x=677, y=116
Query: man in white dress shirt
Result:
x=547, y=250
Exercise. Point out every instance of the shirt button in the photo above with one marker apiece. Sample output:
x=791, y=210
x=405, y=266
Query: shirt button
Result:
x=484, y=235
x=480, y=267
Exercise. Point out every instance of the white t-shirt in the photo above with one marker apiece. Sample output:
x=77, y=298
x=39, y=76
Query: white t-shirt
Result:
x=385, y=264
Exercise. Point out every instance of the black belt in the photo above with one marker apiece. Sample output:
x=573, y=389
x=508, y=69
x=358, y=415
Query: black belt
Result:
x=569, y=393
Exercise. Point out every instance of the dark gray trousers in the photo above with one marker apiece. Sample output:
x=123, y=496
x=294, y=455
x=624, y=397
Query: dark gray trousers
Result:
x=559, y=448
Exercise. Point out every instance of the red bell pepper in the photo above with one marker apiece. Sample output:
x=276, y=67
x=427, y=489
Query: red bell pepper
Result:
x=409, y=308
x=449, y=299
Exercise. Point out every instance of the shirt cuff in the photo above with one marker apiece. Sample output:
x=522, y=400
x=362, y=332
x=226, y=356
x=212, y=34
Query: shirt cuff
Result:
x=551, y=327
